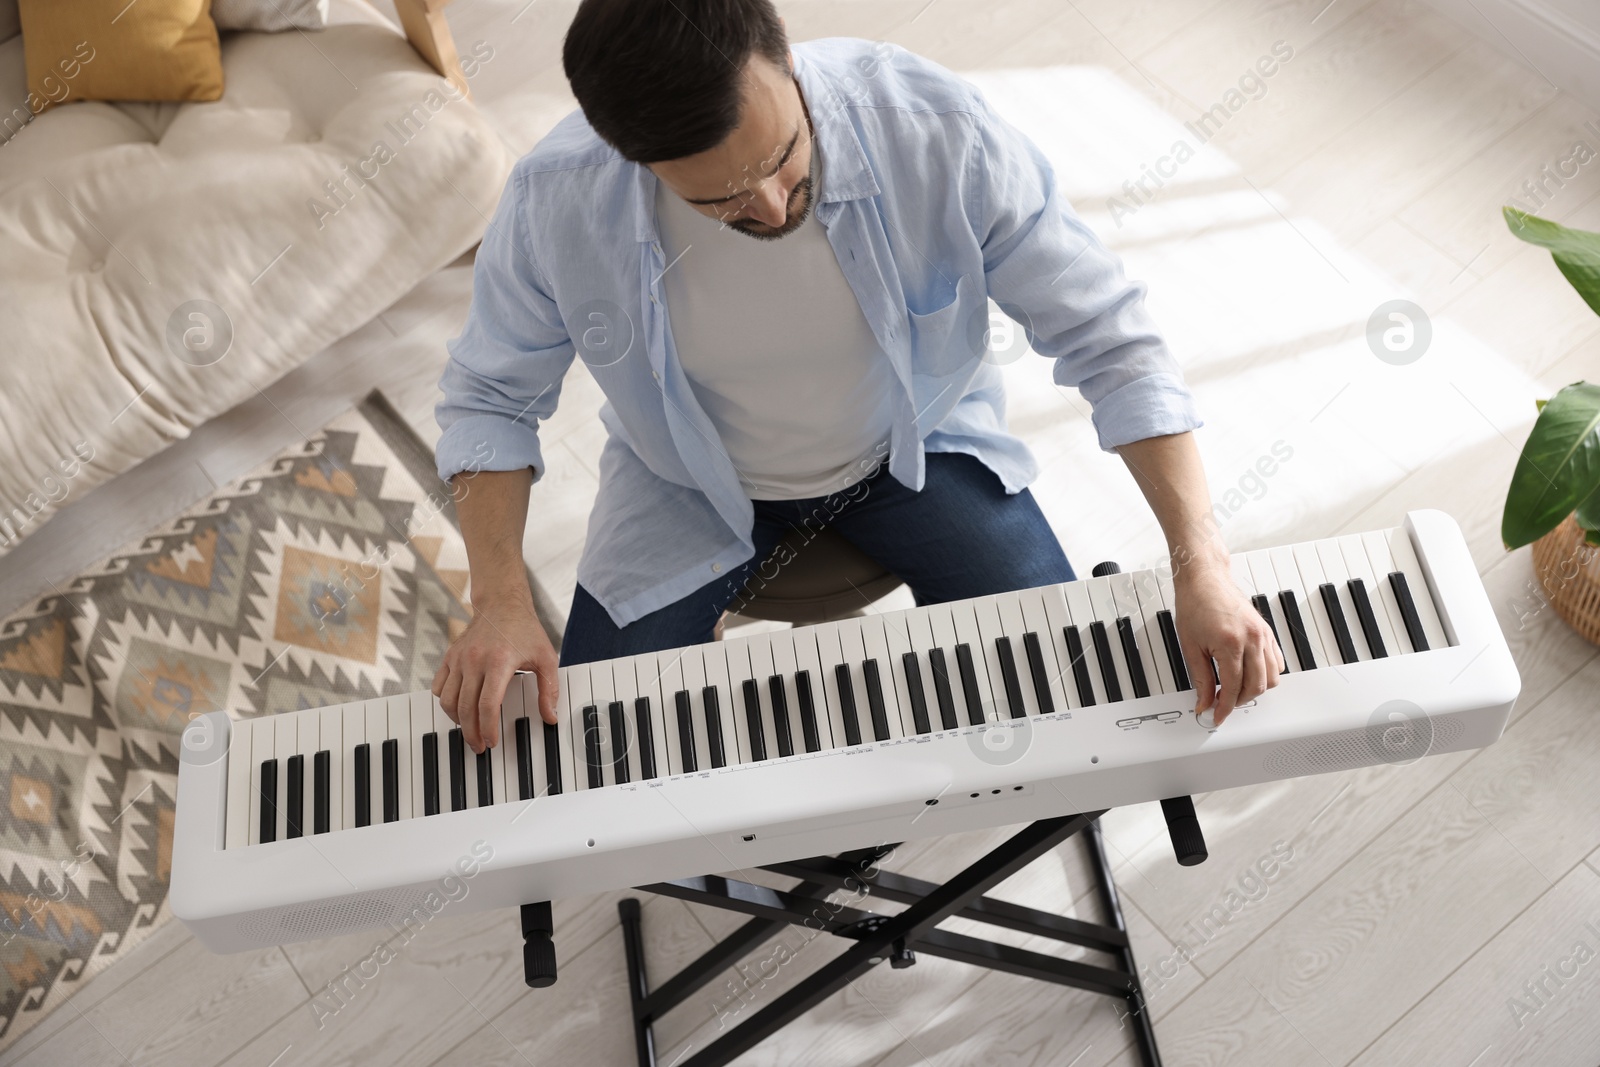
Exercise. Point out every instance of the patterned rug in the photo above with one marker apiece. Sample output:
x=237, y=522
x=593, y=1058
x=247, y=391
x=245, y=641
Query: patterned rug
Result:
x=333, y=573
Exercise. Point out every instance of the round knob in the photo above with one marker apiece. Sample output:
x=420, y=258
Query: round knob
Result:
x=539, y=962
x=1108, y=567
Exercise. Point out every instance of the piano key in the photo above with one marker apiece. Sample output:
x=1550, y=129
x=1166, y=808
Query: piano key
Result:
x=592, y=757
x=399, y=708
x=885, y=640
x=352, y=731
x=285, y=744
x=522, y=739
x=1181, y=678
x=716, y=735
x=1102, y=598
x=620, y=771
x=421, y=723
x=602, y=694
x=558, y=770
x=694, y=682
x=364, y=784
x=1078, y=659
x=1408, y=611
x=1359, y=566
x=1337, y=574
x=1039, y=618
x=1368, y=618
x=1263, y=608
x=986, y=610
x=521, y=750
x=377, y=715
x=241, y=779
x=1268, y=585
x=1038, y=672
x=482, y=790
x=457, y=769
x=750, y=691
x=268, y=806
x=688, y=747
x=645, y=725
x=1174, y=649
x=730, y=732
x=943, y=690
x=669, y=674
x=966, y=668
x=847, y=703
x=1309, y=564
x=785, y=712
x=391, y=780
x=1146, y=590
x=1405, y=561
x=652, y=744
x=1009, y=681
x=308, y=725
x=294, y=795
x=816, y=650
x=853, y=653
x=1130, y=654
x=321, y=794
x=430, y=773
x=1299, y=632
x=1341, y=629
x=1125, y=589
x=806, y=704
x=1008, y=607
x=919, y=702
x=760, y=650
x=878, y=711
x=1287, y=570
x=1110, y=676
x=561, y=774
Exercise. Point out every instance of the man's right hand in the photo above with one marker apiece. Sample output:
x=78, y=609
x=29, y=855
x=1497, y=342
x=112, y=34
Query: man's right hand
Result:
x=502, y=638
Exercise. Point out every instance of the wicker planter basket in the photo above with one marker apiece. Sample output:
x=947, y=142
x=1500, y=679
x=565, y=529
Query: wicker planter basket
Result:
x=1569, y=573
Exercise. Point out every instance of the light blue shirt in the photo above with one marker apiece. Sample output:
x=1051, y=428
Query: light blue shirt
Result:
x=933, y=205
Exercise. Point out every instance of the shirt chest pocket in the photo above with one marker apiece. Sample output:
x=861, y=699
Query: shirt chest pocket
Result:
x=949, y=338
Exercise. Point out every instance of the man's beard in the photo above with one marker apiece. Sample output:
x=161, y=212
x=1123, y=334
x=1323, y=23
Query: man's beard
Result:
x=801, y=192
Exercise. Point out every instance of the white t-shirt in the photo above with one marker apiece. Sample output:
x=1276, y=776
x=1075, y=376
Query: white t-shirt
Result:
x=776, y=349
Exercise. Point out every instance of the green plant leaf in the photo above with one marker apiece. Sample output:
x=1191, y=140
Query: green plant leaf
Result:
x=1587, y=513
x=1538, y=405
x=1559, y=466
x=1576, y=252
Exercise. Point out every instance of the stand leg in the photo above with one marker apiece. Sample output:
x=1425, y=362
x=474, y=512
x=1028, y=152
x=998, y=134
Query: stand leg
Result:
x=638, y=982
x=1143, y=1034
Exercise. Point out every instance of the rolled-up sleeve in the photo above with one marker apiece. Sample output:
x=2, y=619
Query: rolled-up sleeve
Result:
x=505, y=370
x=1048, y=271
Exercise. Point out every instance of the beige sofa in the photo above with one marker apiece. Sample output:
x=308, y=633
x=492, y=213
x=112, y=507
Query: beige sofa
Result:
x=160, y=263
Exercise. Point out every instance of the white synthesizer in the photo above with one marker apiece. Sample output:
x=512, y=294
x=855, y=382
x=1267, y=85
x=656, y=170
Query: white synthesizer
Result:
x=900, y=725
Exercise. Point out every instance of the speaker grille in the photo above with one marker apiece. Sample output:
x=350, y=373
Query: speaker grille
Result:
x=329, y=917
x=1364, y=747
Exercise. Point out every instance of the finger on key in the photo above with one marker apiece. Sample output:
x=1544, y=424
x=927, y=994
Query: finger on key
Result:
x=1201, y=676
x=549, y=686
x=1231, y=665
x=467, y=706
x=449, y=693
x=489, y=701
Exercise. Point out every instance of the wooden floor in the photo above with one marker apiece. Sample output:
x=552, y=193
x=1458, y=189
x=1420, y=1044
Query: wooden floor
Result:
x=1446, y=912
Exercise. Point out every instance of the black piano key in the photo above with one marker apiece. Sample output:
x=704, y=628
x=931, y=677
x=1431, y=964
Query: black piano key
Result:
x=1130, y=652
x=1080, y=665
x=969, y=684
x=780, y=715
x=591, y=746
x=752, y=718
x=941, y=689
x=1108, y=665
x=552, y=756
x=430, y=773
x=523, y=729
x=1169, y=638
x=1341, y=630
x=1264, y=609
x=680, y=701
x=485, y=767
x=1297, y=630
x=618, y=712
x=1036, y=668
x=321, y=802
x=875, y=705
x=458, y=770
x=647, y=741
x=1008, y=676
x=391, y=780
x=269, y=800
x=919, y=701
x=363, y=784
x=295, y=809
x=714, y=747
x=847, y=704
x=1369, y=621
x=808, y=711
x=1408, y=611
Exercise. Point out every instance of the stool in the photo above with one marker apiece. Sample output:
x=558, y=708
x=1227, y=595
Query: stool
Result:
x=826, y=578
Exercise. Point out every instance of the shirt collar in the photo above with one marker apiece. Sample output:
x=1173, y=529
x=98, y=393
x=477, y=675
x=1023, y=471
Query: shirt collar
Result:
x=849, y=175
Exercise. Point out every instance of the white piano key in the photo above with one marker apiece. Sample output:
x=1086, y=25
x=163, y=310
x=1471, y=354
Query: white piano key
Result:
x=568, y=735
x=352, y=731
x=780, y=653
x=941, y=623
x=758, y=649
x=376, y=713
x=725, y=672
x=986, y=611
x=575, y=681
x=668, y=679
x=1243, y=578
x=603, y=691
x=333, y=741
x=1152, y=647
x=808, y=648
x=1334, y=570
x=285, y=744
x=1103, y=602
x=1124, y=588
x=1309, y=564
x=1007, y=609
x=875, y=646
x=853, y=649
x=919, y=636
x=400, y=730
x=513, y=710
x=897, y=638
x=1378, y=554
x=825, y=685
x=1358, y=565
x=1082, y=614
x=1287, y=574
x=420, y=721
x=1266, y=583
x=693, y=664
x=647, y=683
x=263, y=740
x=1052, y=635
x=308, y=725
x=237, y=831
x=1405, y=559
x=965, y=619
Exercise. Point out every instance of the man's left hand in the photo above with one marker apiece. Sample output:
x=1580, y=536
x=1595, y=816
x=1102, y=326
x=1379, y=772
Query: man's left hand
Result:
x=1216, y=621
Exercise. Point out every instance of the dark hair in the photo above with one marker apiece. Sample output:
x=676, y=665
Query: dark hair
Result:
x=661, y=79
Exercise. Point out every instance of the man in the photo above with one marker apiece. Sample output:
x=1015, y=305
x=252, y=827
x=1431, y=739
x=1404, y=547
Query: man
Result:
x=776, y=263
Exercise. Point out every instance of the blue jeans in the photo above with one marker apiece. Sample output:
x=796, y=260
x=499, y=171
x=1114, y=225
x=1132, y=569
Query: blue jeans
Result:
x=961, y=536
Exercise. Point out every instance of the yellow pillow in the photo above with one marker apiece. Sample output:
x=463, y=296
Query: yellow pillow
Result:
x=119, y=50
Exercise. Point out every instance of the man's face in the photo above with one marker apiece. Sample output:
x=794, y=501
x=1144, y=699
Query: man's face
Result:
x=756, y=181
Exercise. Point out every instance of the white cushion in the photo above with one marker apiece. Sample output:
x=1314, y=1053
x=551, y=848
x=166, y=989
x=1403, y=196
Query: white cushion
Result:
x=269, y=15
x=113, y=217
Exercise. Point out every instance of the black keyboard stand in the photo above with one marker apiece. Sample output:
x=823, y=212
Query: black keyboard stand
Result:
x=896, y=938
